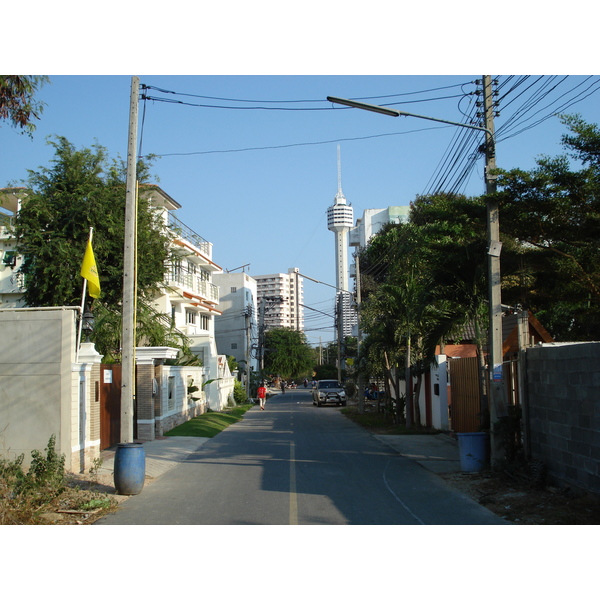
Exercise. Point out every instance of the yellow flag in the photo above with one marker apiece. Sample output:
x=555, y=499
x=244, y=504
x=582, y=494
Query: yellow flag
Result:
x=90, y=272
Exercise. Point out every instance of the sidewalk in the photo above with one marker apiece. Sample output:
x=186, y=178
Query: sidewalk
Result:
x=161, y=454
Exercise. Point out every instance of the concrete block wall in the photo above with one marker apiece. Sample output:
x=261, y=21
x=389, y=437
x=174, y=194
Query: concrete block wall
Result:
x=563, y=396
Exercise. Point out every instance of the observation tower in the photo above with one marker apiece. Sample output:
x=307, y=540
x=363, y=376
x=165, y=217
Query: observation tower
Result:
x=340, y=219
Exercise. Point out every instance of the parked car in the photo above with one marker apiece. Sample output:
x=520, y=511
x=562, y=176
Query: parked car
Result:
x=329, y=391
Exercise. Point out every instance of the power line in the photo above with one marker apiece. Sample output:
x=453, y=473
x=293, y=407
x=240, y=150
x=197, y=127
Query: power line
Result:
x=319, y=100
x=460, y=159
x=294, y=145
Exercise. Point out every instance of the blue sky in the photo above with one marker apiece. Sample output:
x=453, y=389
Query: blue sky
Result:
x=257, y=182
x=267, y=207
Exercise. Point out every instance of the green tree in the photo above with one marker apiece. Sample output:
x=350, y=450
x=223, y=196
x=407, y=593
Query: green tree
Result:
x=287, y=353
x=553, y=213
x=424, y=279
x=17, y=100
x=456, y=228
x=83, y=189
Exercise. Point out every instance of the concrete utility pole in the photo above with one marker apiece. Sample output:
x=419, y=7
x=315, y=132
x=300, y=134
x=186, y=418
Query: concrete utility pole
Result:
x=129, y=274
x=496, y=391
x=340, y=333
x=496, y=378
x=261, y=335
x=247, y=319
x=360, y=382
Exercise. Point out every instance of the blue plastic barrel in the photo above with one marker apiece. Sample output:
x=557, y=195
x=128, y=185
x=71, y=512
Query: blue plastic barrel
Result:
x=473, y=451
x=130, y=469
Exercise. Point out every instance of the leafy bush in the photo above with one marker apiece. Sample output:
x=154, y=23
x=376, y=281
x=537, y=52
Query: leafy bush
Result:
x=239, y=393
x=24, y=495
x=46, y=474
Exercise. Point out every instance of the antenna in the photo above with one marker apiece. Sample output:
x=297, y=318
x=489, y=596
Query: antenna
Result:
x=339, y=197
x=243, y=267
x=339, y=171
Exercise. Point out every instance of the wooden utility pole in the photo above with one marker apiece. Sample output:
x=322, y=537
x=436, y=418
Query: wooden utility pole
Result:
x=496, y=377
x=129, y=274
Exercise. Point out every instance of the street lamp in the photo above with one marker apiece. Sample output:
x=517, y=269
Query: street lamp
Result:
x=392, y=112
x=87, y=324
x=496, y=384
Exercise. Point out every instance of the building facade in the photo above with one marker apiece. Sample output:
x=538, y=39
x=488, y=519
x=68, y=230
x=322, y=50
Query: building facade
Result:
x=372, y=220
x=236, y=329
x=12, y=284
x=281, y=299
x=188, y=296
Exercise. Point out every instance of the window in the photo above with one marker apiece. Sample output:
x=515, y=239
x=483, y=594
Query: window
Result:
x=233, y=290
x=234, y=346
x=176, y=268
x=171, y=396
x=190, y=317
x=10, y=258
x=204, y=322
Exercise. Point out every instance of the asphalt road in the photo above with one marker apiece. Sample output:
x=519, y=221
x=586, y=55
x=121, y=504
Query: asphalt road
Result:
x=297, y=464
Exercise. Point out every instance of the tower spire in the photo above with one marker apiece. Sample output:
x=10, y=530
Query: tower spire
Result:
x=339, y=197
x=339, y=170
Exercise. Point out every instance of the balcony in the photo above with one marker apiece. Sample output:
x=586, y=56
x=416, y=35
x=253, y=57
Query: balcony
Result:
x=6, y=223
x=189, y=282
x=182, y=231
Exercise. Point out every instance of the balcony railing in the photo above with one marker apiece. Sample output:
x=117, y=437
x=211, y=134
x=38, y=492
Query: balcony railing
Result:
x=6, y=224
x=194, y=284
x=183, y=231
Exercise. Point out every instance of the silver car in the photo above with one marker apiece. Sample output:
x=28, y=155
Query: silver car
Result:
x=329, y=391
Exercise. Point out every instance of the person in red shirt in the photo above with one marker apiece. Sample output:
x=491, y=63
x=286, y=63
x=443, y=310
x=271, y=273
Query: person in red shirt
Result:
x=262, y=395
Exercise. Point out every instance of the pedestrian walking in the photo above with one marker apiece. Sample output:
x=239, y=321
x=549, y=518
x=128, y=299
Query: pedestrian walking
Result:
x=282, y=385
x=262, y=395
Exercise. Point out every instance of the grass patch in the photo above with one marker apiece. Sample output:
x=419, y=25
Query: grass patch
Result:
x=380, y=424
x=211, y=423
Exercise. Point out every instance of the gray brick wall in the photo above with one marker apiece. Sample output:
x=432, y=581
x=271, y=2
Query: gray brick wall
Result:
x=563, y=395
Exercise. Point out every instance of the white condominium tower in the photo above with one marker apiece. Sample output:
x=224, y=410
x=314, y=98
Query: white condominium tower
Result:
x=340, y=219
x=281, y=298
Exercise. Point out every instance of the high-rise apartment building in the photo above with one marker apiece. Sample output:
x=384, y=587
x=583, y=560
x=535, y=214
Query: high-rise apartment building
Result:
x=281, y=298
x=373, y=220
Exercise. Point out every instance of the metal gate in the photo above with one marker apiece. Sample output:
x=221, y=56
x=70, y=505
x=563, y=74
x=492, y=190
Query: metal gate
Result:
x=465, y=403
x=110, y=405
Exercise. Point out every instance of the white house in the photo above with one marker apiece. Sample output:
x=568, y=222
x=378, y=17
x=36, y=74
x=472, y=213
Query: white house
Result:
x=189, y=295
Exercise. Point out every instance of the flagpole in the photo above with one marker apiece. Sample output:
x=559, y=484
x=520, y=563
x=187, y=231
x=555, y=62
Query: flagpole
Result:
x=81, y=310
